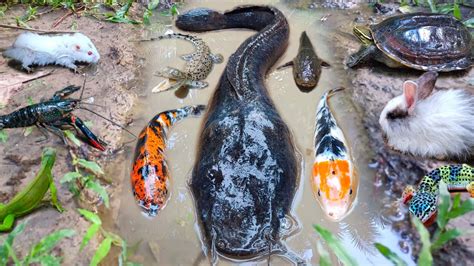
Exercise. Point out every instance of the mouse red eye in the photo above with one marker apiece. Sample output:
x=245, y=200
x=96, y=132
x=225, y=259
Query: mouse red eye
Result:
x=89, y=53
x=78, y=47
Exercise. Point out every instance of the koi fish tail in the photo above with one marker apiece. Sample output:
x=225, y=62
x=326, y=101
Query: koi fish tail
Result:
x=150, y=177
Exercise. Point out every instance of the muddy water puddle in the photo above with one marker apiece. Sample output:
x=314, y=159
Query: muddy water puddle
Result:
x=172, y=238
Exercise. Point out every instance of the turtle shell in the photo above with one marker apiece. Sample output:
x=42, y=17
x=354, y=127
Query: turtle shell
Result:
x=430, y=42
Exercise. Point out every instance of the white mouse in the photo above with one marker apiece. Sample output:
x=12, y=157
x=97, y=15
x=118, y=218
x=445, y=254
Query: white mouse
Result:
x=429, y=124
x=65, y=49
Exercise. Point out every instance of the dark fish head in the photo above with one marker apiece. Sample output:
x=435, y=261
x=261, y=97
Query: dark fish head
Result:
x=306, y=75
x=200, y=19
x=304, y=41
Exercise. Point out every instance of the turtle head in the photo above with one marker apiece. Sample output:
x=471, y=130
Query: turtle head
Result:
x=364, y=34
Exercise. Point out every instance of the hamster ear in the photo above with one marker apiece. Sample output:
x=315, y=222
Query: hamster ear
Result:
x=409, y=92
x=426, y=83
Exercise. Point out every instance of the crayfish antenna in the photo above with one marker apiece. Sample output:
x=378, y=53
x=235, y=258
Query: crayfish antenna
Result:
x=83, y=87
x=114, y=123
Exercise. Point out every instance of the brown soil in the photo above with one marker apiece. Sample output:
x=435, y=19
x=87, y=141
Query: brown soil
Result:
x=111, y=84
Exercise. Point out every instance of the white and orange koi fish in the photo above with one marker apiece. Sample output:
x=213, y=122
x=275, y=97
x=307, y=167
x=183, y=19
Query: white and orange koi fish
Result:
x=333, y=181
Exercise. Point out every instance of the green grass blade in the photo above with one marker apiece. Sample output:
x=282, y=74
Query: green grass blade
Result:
x=444, y=202
x=457, y=11
x=92, y=217
x=445, y=237
x=100, y=190
x=335, y=245
x=91, y=231
x=390, y=255
x=432, y=6
x=324, y=258
x=425, y=258
x=49, y=242
x=101, y=251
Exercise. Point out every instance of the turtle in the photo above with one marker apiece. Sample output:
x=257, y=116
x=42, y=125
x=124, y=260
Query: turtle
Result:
x=423, y=41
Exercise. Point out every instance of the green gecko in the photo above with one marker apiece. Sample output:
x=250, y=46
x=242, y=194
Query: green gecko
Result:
x=31, y=196
x=423, y=202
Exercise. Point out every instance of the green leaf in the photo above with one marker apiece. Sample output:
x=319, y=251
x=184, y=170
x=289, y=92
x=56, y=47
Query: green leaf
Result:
x=70, y=177
x=27, y=131
x=146, y=16
x=466, y=206
x=153, y=4
x=30, y=101
x=116, y=239
x=457, y=11
x=91, y=231
x=425, y=257
x=99, y=189
x=324, y=258
x=92, y=217
x=3, y=136
x=49, y=242
x=444, y=202
x=336, y=246
x=101, y=252
x=174, y=10
x=49, y=260
x=469, y=23
x=445, y=237
x=456, y=201
x=89, y=165
x=390, y=255
x=72, y=137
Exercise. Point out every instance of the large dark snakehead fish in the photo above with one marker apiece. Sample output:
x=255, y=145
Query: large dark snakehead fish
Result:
x=246, y=173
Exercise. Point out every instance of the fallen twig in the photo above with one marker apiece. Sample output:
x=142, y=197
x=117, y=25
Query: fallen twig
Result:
x=36, y=30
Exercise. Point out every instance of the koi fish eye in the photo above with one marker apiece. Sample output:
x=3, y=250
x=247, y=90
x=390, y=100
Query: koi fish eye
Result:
x=89, y=53
x=319, y=192
x=78, y=47
x=350, y=192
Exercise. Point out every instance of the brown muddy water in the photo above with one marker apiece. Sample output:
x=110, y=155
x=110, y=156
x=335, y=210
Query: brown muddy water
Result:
x=172, y=238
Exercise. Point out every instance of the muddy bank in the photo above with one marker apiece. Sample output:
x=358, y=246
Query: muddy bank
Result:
x=111, y=86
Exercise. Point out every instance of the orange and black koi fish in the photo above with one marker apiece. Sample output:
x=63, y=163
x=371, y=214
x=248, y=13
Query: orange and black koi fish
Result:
x=150, y=176
x=333, y=180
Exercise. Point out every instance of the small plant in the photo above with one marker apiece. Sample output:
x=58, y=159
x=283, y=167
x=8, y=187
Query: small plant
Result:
x=336, y=246
x=148, y=12
x=79, y=180
x=29, y=15
x=40, y=253
x=106, y=244
x=121, y=16
x=447, y=210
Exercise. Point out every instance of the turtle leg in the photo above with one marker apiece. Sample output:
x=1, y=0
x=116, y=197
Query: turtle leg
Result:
x=364, y=54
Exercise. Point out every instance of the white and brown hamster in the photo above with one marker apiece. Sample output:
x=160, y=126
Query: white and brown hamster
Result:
x=65, y=49
x=431, y=124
